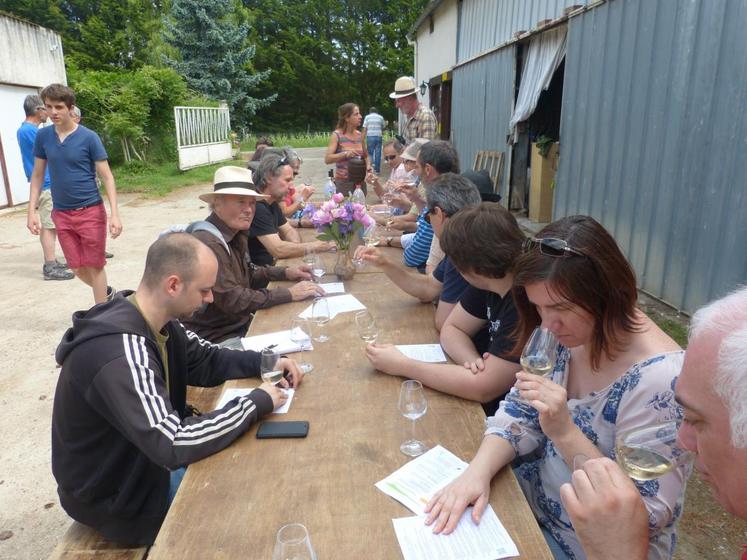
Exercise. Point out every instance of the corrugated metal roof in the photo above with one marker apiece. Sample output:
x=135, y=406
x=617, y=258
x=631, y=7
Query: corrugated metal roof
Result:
x=654, y=136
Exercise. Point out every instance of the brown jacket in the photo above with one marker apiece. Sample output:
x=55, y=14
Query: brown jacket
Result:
x=240, y=288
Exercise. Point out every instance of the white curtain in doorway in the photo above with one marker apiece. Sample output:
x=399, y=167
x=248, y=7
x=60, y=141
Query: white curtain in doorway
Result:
x=546, y=52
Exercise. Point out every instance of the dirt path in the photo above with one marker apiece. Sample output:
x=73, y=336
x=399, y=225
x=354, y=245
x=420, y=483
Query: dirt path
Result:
x=35, y=314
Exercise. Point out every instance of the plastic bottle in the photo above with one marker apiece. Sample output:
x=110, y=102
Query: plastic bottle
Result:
x=358, y=196
x=329, y=187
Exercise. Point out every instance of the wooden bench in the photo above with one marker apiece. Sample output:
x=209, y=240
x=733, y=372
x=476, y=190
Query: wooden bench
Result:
x=80, y=542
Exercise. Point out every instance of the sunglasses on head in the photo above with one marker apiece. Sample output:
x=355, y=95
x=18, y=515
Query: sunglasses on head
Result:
x=551, y=247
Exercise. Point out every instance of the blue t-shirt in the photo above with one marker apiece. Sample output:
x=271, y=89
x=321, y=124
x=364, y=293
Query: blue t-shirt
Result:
x=72, y=166
x=454, y=283
x=26, y=135
x=417, y=252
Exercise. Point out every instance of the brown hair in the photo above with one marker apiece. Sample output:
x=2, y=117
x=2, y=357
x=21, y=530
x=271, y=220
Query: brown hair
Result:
x=601, y=282
x=483, y=239
x=58, y=92
x=343, y=112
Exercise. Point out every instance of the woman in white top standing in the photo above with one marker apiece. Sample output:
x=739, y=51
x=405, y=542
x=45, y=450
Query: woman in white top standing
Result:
x=615, y=371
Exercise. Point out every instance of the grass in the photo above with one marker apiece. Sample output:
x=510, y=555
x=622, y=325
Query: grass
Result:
x=297, y=140
x=160, y=179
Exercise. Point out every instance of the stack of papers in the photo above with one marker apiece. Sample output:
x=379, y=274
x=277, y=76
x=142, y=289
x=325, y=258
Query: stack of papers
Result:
x=281, y=340
x=423, y=352
x=414, y=484
x=230, y=394
x=487, y=541
x=337, y=304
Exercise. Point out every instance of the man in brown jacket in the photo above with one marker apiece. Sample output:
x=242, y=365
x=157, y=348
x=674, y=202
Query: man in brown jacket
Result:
x=241, y=286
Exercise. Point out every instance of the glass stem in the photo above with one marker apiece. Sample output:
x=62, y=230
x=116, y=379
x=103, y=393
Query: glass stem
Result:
x=413, y=428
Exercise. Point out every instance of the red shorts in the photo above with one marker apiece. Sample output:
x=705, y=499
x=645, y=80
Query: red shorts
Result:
x=82, y=235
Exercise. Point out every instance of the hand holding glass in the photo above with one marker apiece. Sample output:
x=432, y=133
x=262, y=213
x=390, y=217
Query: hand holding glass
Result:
x=412, y=405
x=367, y=328
x=650, y=451
x=300, y=332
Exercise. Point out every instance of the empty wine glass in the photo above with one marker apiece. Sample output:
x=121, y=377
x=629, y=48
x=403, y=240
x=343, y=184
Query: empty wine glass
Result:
x=366, y=324
x=293, y=543
x=268, y=367
x=650, y=451
x=300, y=332
x=320, y=317
x=317, y=267
x=412, y=405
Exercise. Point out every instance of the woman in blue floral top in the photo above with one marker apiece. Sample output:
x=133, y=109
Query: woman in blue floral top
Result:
x=616, y=371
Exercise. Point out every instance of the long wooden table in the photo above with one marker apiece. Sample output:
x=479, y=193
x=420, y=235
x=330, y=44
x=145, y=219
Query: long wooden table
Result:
x=230, y=505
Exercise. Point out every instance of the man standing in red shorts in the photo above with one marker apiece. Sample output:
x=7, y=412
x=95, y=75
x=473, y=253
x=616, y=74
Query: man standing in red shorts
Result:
x=75, y=156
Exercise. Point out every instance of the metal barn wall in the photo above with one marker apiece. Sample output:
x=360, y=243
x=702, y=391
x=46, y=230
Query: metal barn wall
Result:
x=654, y=139
x=484, y=24
x=482, y=103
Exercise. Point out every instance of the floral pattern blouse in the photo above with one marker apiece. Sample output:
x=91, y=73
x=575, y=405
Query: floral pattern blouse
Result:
x=643, y=395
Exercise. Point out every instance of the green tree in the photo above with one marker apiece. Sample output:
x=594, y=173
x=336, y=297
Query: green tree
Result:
x=326, y=52
x=215, y=56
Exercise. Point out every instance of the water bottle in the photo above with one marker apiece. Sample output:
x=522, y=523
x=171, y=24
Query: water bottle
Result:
x=358, y=195
x=329, y=187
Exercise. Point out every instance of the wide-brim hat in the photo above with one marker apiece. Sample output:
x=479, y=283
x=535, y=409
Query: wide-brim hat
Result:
x=412, y=150
x=403, y=87
x=232, y=180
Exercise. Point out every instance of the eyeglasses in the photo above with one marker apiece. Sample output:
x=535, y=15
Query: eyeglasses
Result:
x=432, y=210
x=551, y=247
x=390, y=158
x=295, y=173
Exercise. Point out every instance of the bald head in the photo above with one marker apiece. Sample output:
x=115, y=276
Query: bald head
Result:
x=174, y=254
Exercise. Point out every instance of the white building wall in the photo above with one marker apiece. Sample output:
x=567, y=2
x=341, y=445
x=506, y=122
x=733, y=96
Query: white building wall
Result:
x=30, y=58
x=435, y=52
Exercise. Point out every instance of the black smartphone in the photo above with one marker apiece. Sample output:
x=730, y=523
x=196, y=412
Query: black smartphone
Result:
x=295, y=429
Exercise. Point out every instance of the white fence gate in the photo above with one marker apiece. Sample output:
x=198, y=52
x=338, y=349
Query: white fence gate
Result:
x=202, y=135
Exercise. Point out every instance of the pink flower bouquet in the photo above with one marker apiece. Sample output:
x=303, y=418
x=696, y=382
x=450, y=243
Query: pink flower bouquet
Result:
x=338, y=220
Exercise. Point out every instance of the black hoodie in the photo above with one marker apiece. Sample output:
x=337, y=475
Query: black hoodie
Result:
x=117, y=430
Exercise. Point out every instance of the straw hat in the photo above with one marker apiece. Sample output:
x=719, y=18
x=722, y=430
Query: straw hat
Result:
x=232, y=180
x=411, y=151
x=403, y=87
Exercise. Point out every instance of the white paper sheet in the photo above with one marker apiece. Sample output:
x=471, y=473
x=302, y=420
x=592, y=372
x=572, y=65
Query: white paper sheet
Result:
x=337, y=304
x=423, y=352
x=281, y=340
x=487, y=541
x=415, y=483
x=333, y=288
x=229, y=394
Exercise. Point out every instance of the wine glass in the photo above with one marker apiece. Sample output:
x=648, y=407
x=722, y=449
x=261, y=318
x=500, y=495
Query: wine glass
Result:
x=650, y=451
x=267, y=367
x=300, y=332
x=540, y=352
x=412, y=405
x=293, y=543
x=320, y=317
x=371, y=238
x=367, y=328
x=317, y=267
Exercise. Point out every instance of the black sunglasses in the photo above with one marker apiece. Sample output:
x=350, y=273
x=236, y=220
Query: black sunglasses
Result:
x=390, y=158
x=430, y=211
x=551, y=247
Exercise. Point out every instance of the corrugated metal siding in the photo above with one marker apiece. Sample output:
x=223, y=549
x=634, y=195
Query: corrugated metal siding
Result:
x=654, y=138
x=483, y=100
x=484, y=24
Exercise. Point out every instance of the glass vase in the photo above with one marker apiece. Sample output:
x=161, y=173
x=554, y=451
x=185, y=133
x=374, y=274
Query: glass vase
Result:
x=344, y=267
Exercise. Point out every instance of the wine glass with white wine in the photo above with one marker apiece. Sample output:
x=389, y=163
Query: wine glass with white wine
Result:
x=650, y=451
x=268, y=367
x=412, y=405
x=367, y=328
x=371, y=238
x=300, y=333
x=317, y=268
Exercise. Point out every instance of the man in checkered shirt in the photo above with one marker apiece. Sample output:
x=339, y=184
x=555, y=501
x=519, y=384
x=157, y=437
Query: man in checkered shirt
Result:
x=421, y=122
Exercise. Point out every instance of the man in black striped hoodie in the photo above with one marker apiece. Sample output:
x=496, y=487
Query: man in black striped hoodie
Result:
x=121, y=424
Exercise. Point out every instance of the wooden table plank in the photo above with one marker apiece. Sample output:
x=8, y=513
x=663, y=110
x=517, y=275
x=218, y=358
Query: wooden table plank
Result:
x=81, y=542
x=231, y=505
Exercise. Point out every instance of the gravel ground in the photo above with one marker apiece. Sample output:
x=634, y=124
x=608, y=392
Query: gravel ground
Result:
x=34, y=316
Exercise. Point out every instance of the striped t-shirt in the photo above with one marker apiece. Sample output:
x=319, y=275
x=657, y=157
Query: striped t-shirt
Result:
x=417, y=252
x=374, y=124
